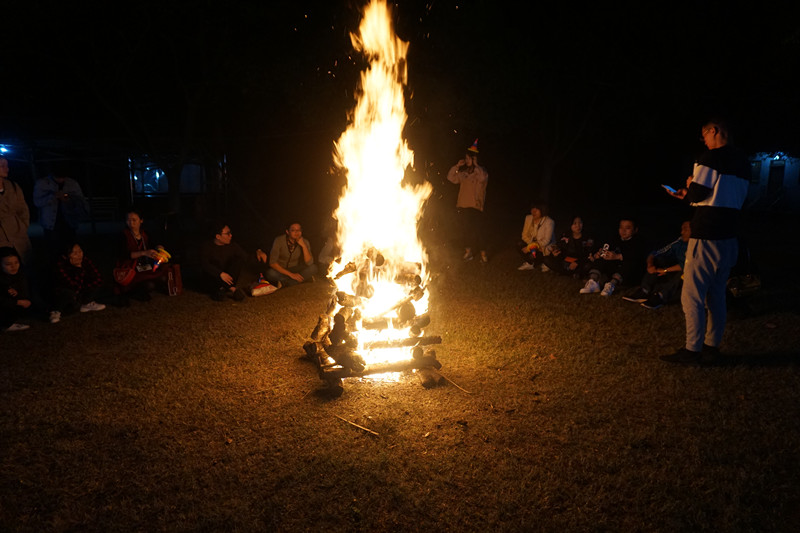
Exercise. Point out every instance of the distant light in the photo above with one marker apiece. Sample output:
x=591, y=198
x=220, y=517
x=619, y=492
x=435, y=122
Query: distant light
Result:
x=3, y=150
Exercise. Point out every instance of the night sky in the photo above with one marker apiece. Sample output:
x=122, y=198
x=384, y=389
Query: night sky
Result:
x=606, y=99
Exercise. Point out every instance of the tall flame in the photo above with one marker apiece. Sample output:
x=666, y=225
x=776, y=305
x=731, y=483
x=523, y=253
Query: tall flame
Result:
x=377, y=211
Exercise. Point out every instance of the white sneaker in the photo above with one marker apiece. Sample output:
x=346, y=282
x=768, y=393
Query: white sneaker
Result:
x=55, y=317
x=608, y=289
x=525, y=266
x=92, y=306
x=591, y=287
x=17, y=327
x=545, y=268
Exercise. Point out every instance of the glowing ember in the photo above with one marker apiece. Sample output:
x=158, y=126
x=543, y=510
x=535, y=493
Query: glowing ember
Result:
x=383, y=264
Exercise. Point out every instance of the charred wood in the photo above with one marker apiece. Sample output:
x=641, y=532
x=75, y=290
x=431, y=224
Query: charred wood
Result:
x=347, y=300
x=430, y=378
x=422, y=322
x=322, y=328
x=349, y=268
x=400, y=366
x=332, y=305
x=346, y=357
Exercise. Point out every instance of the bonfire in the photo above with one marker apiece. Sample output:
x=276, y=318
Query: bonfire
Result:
x=378, y=311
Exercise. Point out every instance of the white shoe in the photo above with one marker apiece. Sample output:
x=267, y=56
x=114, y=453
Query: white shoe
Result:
x=525, y=266
x=468, y=255
x=545, y=268
x=608, y=289
x=591, y=287
x=55, y=317
x=17, y=327
x=92, y=306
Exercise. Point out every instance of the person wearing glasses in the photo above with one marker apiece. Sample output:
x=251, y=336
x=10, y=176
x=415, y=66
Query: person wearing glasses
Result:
x=222, y=261
x=717, y=190
x=290, y=258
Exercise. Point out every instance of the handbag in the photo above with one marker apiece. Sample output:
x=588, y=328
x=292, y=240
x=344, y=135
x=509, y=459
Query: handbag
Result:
x=124, y=275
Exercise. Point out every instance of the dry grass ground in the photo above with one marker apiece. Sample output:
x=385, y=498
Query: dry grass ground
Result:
x=184, y=414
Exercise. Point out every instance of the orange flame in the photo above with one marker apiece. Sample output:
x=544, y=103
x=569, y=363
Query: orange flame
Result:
x=377, y=211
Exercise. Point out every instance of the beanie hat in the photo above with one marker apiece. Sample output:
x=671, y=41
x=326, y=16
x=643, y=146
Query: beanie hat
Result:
x=474, y=148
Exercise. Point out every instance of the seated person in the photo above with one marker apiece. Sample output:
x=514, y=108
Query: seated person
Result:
x=77, y=283
x=331, y=250
x=664, y=277
x=290, y=259
x=571, y=251
x=620, y=261
x=222, y=262
x=137, y=252
x=538, y=238
x=15, y=299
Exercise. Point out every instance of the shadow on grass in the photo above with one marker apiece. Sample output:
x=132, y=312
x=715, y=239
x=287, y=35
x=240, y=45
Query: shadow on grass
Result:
x=763, y=360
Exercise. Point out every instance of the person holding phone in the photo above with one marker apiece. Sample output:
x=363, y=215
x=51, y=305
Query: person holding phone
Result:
x=716, y=189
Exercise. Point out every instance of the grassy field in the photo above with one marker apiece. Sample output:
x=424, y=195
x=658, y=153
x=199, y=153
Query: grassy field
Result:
x=185, y=414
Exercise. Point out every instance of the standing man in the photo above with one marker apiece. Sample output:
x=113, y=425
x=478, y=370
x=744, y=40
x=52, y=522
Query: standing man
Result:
x=472, y=179
x=290, y=259
x=62, y=206
x=717, y=189
x=14, y=215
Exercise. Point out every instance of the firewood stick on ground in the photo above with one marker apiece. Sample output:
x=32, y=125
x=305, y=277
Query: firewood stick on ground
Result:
x=454, y=384
x=356, y=425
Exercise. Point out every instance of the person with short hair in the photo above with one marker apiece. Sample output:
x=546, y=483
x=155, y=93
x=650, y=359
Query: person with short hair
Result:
x=222, y=261
x=662, y=282
x=290, y=259
x=717, y=190
x=618, y=262
x=472, y=180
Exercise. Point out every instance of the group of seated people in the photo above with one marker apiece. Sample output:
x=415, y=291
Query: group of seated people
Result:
x=74, y=283
x=653, y=278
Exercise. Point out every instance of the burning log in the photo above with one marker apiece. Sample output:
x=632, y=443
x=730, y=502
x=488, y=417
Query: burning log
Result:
x=382, y=368
x=406, y=313
x=399, y=343
x=407, y=279
x=364, y=289
x=347, y=300
x=349, y=268
x=375, y=257
x=375, y=323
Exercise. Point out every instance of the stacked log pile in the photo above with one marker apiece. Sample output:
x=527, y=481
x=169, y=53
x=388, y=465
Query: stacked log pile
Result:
x=333, y=345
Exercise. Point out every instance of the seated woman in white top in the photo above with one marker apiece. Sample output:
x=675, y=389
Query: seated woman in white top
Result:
x=538, y=237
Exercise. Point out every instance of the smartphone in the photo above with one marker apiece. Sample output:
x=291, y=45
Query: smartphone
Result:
x=669, y=189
